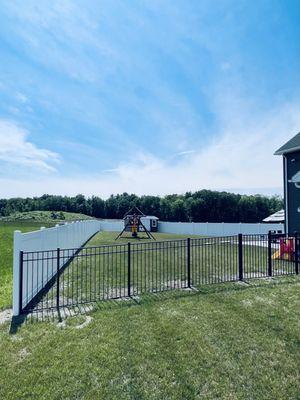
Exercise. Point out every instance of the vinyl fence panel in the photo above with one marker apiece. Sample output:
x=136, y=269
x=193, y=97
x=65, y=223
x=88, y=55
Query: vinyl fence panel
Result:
x=68, y=236
x=217, y=229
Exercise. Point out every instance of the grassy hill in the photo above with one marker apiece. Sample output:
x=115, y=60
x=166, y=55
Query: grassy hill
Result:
x=44, y=216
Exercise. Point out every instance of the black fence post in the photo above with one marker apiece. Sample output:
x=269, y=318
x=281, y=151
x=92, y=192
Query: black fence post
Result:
x=269, y=253
x=296, y=254
x=21, y=283
x=57, y=278
x=188, y=261
x=129, y=269
x=240, y=252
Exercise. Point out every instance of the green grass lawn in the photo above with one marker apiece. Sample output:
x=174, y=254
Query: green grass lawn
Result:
x=6, y=256
x=103, y=238
x=221, y=252
x=228, y=341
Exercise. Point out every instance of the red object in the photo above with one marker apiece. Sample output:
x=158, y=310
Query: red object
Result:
x=287, y=247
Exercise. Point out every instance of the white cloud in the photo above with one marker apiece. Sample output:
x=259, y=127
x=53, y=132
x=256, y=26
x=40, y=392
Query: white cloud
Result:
x=16, y=149
x=241, y=158
x=185, y=153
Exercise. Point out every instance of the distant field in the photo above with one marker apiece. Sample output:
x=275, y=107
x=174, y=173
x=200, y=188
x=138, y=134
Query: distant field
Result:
x=44, y=216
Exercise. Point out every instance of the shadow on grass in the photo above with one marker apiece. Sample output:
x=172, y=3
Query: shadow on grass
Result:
x=132, y=239
x=51, y=315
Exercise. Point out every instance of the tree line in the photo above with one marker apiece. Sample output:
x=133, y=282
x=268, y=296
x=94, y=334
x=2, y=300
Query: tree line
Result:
x=200, y=206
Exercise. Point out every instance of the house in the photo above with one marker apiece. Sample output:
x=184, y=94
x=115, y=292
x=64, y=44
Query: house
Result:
x=291, y=178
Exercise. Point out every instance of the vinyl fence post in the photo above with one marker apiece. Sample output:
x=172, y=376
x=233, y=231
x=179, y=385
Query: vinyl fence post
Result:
x=21, y=284
x=240, y=253
x=16, y=272
x=269, y=253
x=188, y=252
x=296, y=254
x=57, y=278
x=129, y=269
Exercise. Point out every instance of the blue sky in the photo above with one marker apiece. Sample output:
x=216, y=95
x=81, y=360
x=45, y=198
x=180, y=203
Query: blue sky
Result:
x=151, y=97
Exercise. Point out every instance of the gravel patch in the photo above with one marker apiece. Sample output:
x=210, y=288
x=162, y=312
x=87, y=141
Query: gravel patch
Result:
x=5, y=316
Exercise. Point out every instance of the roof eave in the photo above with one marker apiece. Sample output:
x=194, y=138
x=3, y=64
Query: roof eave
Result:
x=283, y=152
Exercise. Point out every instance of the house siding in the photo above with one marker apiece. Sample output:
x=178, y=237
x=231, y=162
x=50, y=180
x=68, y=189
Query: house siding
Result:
x=292, y=193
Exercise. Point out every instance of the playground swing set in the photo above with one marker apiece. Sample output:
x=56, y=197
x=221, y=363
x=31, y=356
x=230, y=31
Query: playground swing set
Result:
x=133, y=223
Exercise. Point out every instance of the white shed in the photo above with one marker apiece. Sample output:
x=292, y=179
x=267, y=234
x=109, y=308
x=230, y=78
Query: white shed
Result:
x=150, y=222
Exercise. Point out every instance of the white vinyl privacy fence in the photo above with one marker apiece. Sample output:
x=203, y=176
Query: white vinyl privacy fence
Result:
x=201, y=228
x=111, y=225
x=68, y=236
x=217, y=229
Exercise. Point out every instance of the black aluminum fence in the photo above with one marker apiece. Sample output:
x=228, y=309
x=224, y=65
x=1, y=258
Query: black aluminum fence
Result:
x=69, y=277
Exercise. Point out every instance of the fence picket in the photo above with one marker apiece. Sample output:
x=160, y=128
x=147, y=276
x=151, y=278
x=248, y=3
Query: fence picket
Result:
x=240, y=255
x=188, y=250
x=296, y=254
x=270, y=253
x=57, y=277
x=129, y=270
